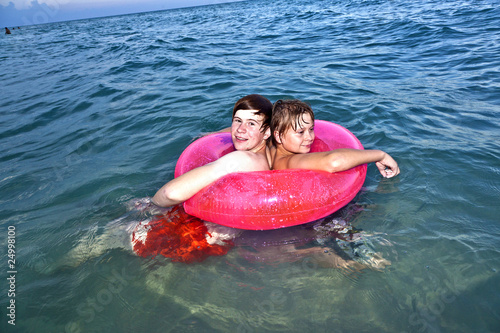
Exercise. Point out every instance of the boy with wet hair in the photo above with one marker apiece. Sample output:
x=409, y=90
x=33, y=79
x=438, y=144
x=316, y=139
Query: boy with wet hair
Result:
x=292, y=128
x=249, y=133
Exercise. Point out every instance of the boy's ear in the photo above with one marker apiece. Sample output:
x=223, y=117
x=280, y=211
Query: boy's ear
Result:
x=267, y=133
x=277, y=137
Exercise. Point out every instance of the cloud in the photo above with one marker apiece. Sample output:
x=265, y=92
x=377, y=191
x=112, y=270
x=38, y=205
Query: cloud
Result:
x=32, y=12
x=28, y=4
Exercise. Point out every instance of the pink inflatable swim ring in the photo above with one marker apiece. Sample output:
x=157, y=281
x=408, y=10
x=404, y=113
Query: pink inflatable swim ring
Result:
x=263, y=200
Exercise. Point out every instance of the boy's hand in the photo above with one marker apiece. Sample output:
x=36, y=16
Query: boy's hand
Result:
x=387, y=166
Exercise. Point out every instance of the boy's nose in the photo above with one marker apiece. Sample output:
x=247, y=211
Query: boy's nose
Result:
x=241, y=128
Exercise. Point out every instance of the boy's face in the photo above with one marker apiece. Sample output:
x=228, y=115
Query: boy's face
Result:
x=298, y=141
x=246, y=130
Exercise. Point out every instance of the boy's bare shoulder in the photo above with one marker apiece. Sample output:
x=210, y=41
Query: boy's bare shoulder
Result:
x=245, y=161
x=281, y=162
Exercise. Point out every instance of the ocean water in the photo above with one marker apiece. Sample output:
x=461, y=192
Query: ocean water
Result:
x=94, y=114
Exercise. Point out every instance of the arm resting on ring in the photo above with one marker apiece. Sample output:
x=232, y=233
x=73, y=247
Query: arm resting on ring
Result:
x=185, y=186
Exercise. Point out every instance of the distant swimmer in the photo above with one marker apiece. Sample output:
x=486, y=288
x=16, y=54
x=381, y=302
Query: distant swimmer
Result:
x=7, y=31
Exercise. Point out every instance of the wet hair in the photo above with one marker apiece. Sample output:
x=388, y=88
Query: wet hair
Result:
x=262, y=105
x=288, y=114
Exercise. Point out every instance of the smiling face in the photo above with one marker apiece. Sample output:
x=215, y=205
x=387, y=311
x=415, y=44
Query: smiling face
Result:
x=246, y=131
x=298, y=139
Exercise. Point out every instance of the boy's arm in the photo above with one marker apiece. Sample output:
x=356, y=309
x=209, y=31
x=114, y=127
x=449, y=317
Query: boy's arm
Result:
x=186, y=185
x=340, y=160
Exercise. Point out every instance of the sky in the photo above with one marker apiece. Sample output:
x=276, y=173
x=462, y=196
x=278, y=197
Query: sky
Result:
x=14, y=13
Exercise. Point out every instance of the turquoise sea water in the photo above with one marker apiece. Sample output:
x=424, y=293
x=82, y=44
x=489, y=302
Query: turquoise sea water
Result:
x=95, y=113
